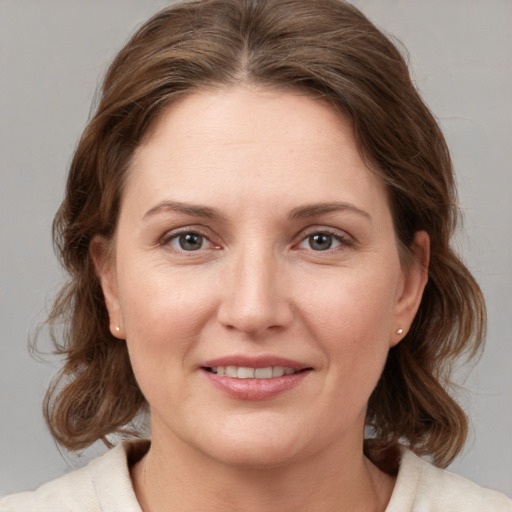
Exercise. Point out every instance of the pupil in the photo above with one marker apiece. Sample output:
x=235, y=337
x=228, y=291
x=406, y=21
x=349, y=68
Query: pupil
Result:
x=321, y=242
x=191, y=242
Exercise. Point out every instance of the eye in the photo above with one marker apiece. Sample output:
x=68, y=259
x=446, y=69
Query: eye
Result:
x=321, y=241
x=188, y=241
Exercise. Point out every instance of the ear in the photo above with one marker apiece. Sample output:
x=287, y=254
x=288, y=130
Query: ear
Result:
x=104, y=263
x=414, y=280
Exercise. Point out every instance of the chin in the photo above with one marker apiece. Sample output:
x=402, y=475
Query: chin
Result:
x=255, y=455
x=270, y=446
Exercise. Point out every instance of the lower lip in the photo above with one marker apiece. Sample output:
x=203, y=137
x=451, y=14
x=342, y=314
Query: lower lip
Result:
x=255, y=389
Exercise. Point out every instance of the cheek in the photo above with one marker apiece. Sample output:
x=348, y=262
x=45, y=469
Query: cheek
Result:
x=155, y=296
x=163, y=312
x=351, y=316
x=162, y=324
x=350, y=302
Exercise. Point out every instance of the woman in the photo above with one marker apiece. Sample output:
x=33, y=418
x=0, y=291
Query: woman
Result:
x=257, y=226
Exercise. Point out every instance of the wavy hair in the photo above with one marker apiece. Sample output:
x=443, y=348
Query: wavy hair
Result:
x=330, y=50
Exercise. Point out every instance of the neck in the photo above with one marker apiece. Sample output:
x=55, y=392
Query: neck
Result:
x=172, y=478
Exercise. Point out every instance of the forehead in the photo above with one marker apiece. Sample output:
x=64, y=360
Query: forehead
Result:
x=250, y=142
x=248, y=111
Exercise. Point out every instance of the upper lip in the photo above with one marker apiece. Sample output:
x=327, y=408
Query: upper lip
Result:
x=255, y=362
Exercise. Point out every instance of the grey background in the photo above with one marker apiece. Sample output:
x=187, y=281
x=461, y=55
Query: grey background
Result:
x=52, y=56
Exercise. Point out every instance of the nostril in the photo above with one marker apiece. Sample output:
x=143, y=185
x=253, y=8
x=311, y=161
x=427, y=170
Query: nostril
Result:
x=254, y=299
x=254, y=322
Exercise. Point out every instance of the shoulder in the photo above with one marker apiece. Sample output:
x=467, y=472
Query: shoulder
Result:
x=104, y=484
x=422, y=487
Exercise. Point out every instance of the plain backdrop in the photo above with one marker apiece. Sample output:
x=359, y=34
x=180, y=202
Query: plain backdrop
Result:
x=53, y=54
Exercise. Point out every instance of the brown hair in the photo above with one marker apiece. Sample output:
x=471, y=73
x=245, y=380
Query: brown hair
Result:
x=330, y=50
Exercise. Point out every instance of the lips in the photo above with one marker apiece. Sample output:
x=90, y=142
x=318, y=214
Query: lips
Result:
x=255, y=362
x=244, y=372
x=246, y=378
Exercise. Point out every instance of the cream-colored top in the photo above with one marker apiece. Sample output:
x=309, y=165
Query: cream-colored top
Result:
x=104, y=485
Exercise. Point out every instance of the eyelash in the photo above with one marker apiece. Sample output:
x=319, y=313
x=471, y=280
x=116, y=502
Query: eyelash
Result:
x=168, y=238
x=343, y=241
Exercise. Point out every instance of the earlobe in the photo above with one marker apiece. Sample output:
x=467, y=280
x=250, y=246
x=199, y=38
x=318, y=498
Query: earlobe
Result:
x=101, y=254
x=415, y=278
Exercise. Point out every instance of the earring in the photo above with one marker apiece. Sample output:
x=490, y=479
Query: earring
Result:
x=399, y=331
x=117, y=328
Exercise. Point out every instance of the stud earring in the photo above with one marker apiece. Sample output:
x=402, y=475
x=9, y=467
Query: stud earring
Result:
x=117, y=328
x=399, y=331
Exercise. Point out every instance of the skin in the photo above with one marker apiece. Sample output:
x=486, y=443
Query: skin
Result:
x=257, y=285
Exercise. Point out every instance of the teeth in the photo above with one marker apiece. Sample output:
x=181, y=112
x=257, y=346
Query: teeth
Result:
x=263, y=373
x=278, y=371
x=231, y=371
x=244, y=372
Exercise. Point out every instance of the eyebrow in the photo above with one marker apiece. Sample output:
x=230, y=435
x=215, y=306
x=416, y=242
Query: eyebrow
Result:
x=185, y=208
x=301, y=212
x=313, y=210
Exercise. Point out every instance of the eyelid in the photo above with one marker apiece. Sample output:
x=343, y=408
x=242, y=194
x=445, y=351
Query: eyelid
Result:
x=169, y=236
x=341, y=236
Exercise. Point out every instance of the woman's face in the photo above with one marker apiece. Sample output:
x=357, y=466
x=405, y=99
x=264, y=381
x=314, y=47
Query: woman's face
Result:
x=256, y=278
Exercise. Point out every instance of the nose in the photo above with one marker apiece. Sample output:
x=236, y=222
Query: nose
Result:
x=255, y=294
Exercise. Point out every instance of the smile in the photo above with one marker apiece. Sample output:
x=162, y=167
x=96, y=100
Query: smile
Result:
x=255, y=378
x=244, y=372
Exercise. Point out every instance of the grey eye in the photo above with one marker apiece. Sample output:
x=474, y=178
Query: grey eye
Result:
x=189, y=241
x=320, y=241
